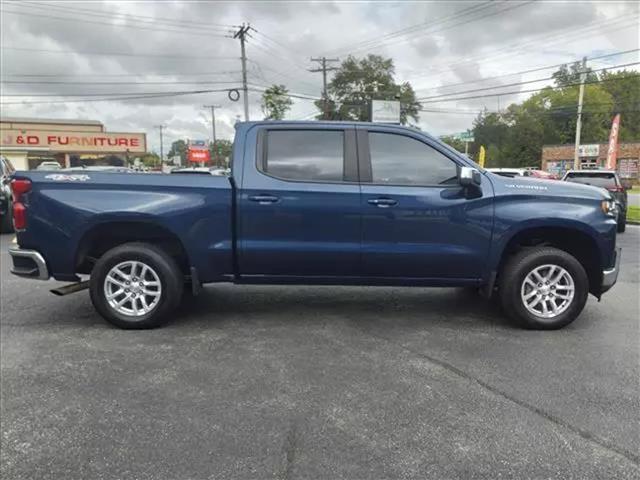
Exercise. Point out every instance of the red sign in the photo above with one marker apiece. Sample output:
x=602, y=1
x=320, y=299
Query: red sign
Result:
x=612, y=152
x=198, y=155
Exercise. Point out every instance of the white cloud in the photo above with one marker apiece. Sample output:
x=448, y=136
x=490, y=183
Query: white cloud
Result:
x=451, y=47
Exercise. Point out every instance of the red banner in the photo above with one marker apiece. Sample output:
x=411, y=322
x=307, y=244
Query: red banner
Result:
x=612, y=152
x=198, y=155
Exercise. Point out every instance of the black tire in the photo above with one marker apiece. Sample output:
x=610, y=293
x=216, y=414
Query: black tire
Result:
x=622, y=223
x=6, y=223
x=167, y=270
x=520, y=265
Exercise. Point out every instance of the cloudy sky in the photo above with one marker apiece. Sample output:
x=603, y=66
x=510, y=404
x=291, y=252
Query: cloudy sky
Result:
x=106, y=50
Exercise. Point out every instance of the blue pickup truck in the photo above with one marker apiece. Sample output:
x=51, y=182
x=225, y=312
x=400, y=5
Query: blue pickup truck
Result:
x=318, y=203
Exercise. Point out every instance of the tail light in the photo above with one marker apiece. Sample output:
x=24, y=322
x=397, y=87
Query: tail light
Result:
x=19, y=187
x=616, y=189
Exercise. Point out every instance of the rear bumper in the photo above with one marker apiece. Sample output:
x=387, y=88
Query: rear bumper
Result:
x=610, y=276
x=29, y=264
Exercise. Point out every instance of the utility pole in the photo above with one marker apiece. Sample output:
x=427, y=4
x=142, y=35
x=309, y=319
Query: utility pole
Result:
x=583, y=77
x=160, y=127
x=213, y=127
x=324, y=69
x=241, y=34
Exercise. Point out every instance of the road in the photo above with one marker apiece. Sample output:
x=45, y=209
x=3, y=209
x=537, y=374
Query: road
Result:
x=309, y=382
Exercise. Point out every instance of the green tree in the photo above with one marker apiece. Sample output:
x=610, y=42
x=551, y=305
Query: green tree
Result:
x=179, y=149
x=223, y=147
x=357, y=82
x=275, y=102
x=150, y=159
x=624, y=88
x=570, y=74
x=453, y=142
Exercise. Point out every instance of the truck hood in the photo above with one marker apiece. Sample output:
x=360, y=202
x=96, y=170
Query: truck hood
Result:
x=556, y=188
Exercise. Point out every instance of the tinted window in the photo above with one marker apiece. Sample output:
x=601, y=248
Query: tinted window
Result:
x=604, y=180
x=311, y=155
x=400, y=160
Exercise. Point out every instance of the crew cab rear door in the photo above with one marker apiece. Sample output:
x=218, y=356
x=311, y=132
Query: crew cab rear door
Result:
x=299, y=203
x=418, y=222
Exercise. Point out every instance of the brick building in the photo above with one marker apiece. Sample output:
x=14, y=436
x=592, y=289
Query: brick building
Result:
x=558, y=159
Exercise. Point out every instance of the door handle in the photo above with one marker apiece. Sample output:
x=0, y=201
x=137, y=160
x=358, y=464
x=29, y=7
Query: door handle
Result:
x=383, y=202
x=263, y=199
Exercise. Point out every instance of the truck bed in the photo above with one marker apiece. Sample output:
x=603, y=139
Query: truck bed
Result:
x=197, y=209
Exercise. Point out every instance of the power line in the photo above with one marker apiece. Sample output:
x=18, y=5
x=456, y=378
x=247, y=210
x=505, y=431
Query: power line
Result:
x=121, y=54
x=519, y=83
x=114, y=98
x=520, y=48
x=448, y=27
x=137, y=27
x=48, y=82
x=410, y=29
x=516, y=92
x=537, y=69
x=102, y=75
x=136, y=17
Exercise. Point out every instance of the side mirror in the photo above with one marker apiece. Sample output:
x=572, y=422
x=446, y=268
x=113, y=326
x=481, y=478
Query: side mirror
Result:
x=469, y=177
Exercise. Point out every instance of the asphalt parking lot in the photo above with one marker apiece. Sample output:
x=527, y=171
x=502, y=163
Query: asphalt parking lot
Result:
x=319, y=382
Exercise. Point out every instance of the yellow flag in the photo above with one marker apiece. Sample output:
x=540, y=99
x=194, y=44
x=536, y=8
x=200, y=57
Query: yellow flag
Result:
x=481, y=156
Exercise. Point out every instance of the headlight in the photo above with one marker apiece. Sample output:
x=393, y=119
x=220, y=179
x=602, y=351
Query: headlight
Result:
x=609, y=207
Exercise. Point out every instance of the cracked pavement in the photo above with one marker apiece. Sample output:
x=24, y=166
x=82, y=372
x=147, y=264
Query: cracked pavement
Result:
x=319, y=382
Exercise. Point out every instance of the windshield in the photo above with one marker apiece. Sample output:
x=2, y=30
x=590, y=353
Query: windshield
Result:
x=604, y=180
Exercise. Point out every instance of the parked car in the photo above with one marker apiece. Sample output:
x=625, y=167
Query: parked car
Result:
x=6, y=210
x=609, y=180
x=203, y=170
x=319, y=203
x=509, y=172
x=523, y=172
x=100, y=168
x=49, y=166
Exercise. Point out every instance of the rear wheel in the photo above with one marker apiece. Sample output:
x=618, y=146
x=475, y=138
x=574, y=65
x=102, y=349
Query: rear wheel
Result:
x=543, y=288
x=136, y=285
x=622, y=223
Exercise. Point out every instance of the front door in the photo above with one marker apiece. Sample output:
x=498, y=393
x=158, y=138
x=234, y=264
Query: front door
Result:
x=418, y=222
x=299, y=209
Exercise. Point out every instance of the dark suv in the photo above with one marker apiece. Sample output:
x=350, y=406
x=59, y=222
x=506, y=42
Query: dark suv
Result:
x=607, y=179
x=6, y=220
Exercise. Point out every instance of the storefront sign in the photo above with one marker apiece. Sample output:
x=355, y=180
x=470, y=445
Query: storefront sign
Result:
x=76, y=142
x=628, y=167
x=199, y=156
x=589, y=150
x=384, y=111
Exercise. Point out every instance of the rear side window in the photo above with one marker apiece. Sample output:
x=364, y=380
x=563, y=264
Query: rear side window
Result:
x=305, y=155
x=401, y=160
x=604, y=180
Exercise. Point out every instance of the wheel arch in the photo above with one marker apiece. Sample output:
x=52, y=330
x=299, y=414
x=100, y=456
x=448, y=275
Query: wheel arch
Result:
x=107, y=234
x=576, y=240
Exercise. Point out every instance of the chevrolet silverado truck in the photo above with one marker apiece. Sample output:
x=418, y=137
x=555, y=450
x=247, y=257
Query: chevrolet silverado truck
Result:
x=318, y=203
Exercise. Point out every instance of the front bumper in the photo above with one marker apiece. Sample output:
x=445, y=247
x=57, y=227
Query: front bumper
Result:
x=610, y=276
x=29, y=264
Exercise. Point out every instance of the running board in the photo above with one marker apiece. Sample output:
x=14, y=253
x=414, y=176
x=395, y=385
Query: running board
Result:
x=71, y=288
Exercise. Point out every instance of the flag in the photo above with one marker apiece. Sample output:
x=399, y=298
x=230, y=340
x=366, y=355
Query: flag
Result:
x=612, y=152
x=481, y=156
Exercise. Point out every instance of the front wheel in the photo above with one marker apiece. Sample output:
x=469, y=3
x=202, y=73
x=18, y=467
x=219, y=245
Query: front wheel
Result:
x=136, y=285
x=543, y=288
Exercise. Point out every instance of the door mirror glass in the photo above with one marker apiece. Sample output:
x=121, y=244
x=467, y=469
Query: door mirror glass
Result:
x=469, y=177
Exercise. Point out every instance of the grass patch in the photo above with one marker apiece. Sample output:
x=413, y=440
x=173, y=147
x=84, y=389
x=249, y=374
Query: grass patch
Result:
x=635, y=189
x=633, y=214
